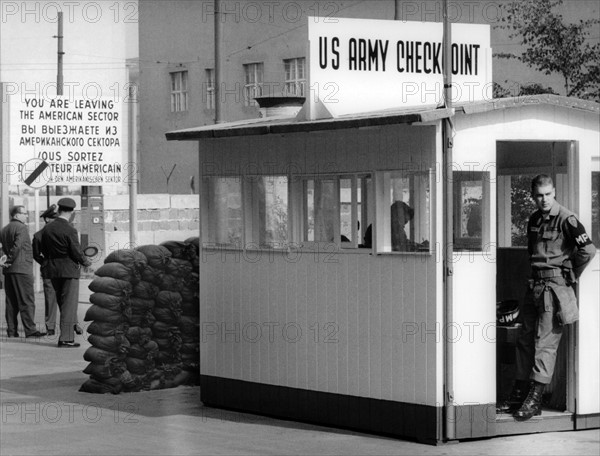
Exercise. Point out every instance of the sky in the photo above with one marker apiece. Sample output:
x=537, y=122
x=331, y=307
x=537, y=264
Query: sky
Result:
x=98, y=37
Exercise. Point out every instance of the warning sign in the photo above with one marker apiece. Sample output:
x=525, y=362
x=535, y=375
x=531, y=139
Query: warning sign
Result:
x=80, y=139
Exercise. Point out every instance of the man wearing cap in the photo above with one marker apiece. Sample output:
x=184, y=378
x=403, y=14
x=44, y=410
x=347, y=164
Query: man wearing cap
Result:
x=62, y=251
x=50, y=304
x=18, y=274
x=559, y=251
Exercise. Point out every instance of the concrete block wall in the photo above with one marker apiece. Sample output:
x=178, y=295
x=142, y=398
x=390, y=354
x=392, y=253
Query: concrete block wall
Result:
x=161, y=217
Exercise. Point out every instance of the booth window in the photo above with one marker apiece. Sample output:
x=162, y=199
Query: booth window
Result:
x=223, y=202
x=179, y=91
x=295, y=77
x=331, y=210
x=471, y=210
x=253, y=82
x=403, y=211
x=267, y=217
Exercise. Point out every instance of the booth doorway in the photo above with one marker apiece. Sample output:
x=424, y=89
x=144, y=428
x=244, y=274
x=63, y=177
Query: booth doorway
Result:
x=517, y=163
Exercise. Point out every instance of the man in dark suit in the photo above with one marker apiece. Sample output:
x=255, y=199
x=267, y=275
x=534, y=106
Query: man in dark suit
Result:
x=18, y=274
x=50, y=304
x=60, y=246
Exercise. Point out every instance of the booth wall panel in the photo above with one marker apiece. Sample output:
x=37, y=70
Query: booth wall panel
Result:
x=323, y=359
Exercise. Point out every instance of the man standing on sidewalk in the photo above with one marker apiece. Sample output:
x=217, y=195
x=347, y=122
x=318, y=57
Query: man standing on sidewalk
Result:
x=50, y=304
x=60, y=246
x=18, y=274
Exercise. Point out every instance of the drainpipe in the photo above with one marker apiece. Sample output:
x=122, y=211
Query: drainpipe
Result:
x=448, y=250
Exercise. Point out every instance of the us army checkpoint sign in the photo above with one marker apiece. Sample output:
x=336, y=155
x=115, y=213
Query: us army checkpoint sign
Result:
x=80, y=140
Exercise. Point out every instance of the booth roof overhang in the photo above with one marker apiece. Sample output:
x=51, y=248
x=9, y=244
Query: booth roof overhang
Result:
x=286, y=124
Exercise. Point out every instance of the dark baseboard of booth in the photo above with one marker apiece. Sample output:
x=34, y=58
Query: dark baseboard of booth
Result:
x=398, y=419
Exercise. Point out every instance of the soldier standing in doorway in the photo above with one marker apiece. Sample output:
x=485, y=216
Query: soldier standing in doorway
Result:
x=559, y=251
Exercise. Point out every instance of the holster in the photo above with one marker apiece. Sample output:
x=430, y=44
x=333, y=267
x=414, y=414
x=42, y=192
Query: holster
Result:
x=567, y=311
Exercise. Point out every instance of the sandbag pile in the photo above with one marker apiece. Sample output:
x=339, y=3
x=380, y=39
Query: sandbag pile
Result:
x=144, y=319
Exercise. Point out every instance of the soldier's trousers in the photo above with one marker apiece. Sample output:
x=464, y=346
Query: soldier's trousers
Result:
x=539, y=337
x=67, y=297
x=50, y=304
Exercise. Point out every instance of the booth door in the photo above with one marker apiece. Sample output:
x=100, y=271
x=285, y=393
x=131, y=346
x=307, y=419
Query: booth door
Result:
x=517, y=163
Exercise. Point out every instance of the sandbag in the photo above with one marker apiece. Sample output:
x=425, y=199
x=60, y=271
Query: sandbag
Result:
x=178, y=267
x=99, y=356
x=160, y=329
x=104, y=329
x=141, y=305
x=143, y=319
x=189, y=348
x=168, y=357
x=182, y=378
x=145, y=290
x=92, y=385
x=108, y=369
x=118, y=344
x=172, y=343
x=152, y=275
x=180, y=250
x=190, y=309
x=168, y=300
x=195, y=242
x=157, y=255
x=110, y=302
x=138, y=335
x=189, y=294
x=139, y=366
x=118, y=271
x=170, y=316
x=169, y=282
x=189, y=325
x=110, y=285
x=97, y=313
x=130, y=258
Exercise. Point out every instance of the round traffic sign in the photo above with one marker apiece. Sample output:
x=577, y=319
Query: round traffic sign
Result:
x=36, y=173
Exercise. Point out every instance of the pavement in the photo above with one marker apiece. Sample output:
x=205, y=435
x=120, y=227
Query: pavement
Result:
x=43, y=413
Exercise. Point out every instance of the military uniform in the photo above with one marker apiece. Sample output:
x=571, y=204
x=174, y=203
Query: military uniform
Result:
x=559, y=250
x=20, y=297
x=50, y=304
x=60, y=246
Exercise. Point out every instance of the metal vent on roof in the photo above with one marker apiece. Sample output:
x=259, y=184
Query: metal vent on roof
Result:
x=279, y=106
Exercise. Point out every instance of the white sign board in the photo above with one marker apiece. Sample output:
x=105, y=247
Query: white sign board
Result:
x=80, y=139
x=365, y=65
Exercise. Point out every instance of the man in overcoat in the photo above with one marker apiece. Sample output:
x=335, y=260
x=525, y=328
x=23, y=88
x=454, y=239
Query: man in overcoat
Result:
x=18, y=274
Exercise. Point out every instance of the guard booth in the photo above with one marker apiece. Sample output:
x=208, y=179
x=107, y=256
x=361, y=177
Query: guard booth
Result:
x=306, y=316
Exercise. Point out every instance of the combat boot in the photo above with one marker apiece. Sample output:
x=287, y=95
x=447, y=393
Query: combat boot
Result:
x=515, y=399
x=532, y=405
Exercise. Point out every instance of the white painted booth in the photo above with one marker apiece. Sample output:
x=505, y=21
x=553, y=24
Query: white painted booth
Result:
x=303, y=317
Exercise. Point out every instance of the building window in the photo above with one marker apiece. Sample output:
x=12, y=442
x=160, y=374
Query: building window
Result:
x=253, y=84
x=210, y=89
x=515, y=206
x=267, y=206
x=223, y=203
x=403, y=211
x=295, y=77
x=471, y=210
x=179, y=91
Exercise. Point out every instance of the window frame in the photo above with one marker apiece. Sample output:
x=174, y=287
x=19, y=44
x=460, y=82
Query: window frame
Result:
x=179, y=90
x=253, y=82
x=472, y=243
x=422, y=221
x=209, y=92
x=294, y=83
